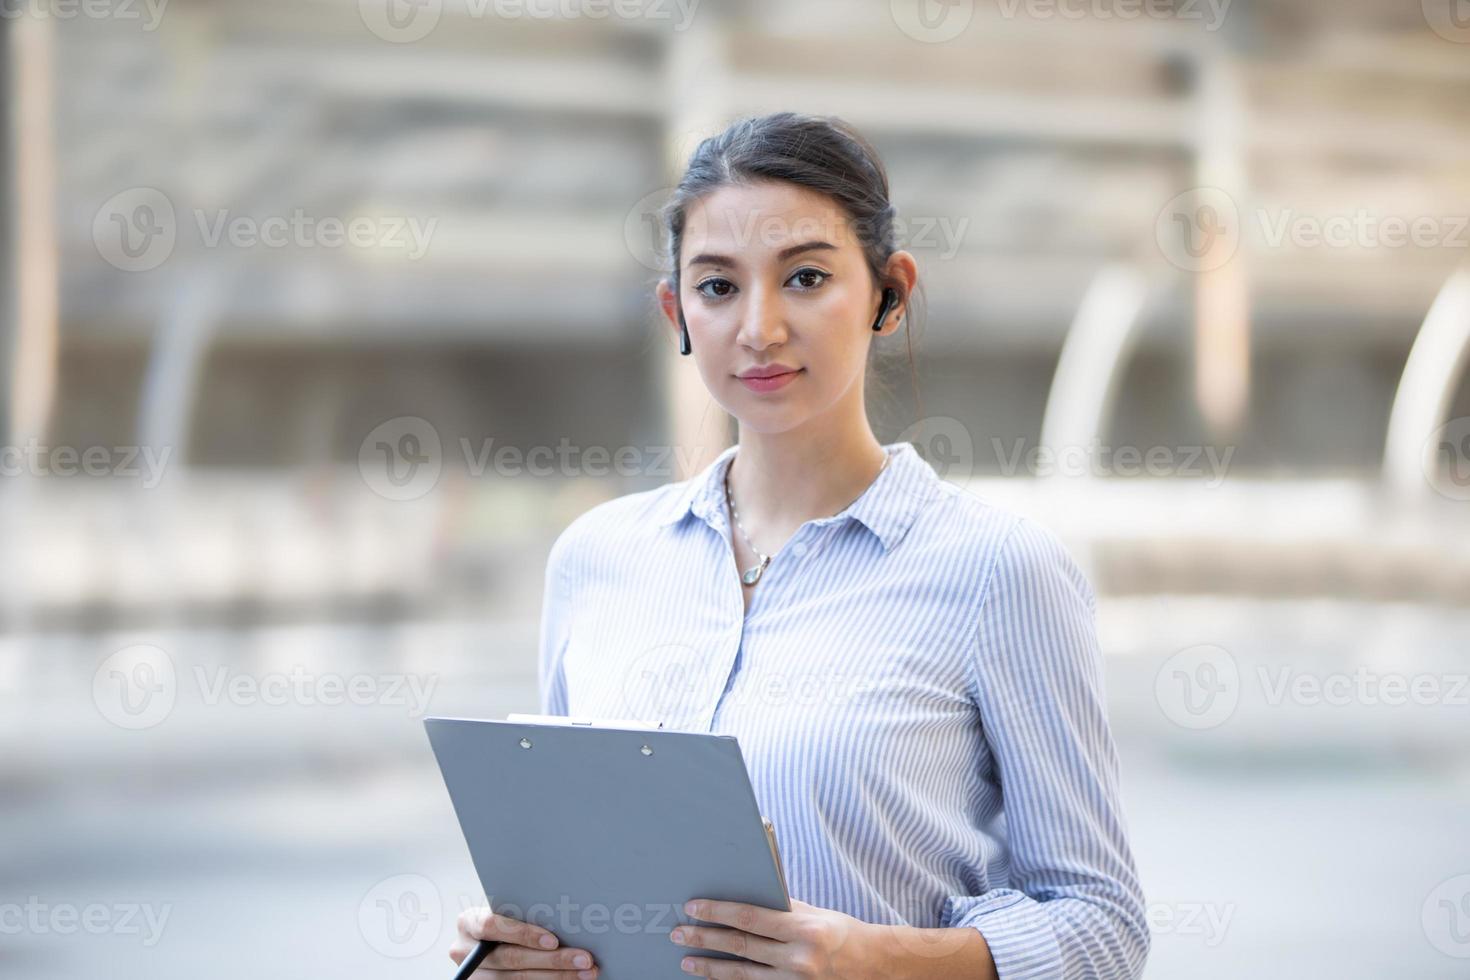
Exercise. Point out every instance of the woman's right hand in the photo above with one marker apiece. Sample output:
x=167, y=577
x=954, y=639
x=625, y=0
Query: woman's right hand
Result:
x=523, y=949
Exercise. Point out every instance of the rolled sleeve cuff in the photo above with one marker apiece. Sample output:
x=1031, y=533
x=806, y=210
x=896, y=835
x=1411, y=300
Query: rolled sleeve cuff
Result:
x=1018, y=931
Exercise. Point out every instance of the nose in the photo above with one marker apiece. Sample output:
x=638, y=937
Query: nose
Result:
x=763, y=320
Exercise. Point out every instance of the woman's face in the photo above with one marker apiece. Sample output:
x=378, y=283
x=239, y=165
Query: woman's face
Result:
x=773, y=276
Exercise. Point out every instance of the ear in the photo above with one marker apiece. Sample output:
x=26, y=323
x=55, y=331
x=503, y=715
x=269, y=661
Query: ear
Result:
x=902, y=275
x=668, y=302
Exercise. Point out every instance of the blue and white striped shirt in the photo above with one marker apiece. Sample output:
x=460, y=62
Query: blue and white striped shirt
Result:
x=917, y=691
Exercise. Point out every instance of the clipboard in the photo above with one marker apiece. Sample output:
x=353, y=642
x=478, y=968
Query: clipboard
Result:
x=600, y=833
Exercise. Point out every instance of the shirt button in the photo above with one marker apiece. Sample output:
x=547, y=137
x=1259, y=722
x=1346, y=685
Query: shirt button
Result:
x=798, y=549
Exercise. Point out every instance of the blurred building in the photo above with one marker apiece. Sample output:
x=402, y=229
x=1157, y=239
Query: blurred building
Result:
x=317, y=282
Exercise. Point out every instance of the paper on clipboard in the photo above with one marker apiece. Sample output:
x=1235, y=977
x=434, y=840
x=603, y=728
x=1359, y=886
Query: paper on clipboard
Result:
x=582, y=722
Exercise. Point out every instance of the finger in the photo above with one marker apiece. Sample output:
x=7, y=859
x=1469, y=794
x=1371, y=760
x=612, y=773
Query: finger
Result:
x=754, y=919
x=703, y=966
x=520, y=959
x=756, y=948
x=484, y=924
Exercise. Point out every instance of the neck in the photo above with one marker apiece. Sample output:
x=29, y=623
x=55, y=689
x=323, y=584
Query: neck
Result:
x=785, y=479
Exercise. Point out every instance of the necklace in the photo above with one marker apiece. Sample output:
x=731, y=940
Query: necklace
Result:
x=752, y=575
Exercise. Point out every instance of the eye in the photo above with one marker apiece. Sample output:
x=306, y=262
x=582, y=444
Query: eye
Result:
x=718, y=288
x=809, y=278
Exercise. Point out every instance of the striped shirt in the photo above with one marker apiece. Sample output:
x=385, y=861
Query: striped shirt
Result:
x=917, y=692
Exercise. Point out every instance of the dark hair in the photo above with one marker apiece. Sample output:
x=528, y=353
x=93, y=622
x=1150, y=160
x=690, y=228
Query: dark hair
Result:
x=823, y=153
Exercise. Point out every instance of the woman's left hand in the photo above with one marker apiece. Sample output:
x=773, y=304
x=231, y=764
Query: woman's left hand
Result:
x=809, y=943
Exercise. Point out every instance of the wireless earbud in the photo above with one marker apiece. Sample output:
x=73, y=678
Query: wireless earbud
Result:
x=890, y=300
x=684, y=347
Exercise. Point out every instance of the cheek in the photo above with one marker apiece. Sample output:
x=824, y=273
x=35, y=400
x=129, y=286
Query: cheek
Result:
x=836, y=333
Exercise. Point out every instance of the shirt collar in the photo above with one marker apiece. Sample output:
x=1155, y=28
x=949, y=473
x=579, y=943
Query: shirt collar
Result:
x=887, y=508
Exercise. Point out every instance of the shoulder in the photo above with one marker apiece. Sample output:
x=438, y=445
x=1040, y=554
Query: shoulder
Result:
x=1001, y=548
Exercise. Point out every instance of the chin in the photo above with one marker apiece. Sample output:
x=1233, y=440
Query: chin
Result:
x=769, y=421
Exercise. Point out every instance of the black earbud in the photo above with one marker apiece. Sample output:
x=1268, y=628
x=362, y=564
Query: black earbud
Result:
x=890, y=300
x=684, y=347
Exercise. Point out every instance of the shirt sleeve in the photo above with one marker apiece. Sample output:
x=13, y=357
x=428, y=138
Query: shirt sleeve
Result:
x=1075, y=909
x=556, y=630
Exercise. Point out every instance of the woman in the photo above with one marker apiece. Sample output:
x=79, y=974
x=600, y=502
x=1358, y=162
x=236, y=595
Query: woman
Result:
x=913, y=674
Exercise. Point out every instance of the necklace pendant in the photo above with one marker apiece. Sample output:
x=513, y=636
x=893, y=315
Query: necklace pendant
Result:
x=752, y=574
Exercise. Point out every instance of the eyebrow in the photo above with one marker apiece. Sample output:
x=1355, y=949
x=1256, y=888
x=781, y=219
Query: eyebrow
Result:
x=706, y=258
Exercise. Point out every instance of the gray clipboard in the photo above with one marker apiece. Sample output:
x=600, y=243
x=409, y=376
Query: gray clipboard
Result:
x=602, y=834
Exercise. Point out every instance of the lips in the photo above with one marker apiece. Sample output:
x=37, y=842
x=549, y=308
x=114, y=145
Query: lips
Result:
x=769, y=371
x=770, y=379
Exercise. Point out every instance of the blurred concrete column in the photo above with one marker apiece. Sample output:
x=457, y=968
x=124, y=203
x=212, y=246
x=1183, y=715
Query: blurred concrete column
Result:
x=697, y=80
x=1419, y=424
x=1222, y=351
x=1093, y=359
x=29, y=217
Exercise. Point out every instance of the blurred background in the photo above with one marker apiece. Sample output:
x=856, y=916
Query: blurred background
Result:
x=322, y=319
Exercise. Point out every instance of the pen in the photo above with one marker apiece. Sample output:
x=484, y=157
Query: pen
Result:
x=477, y=956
